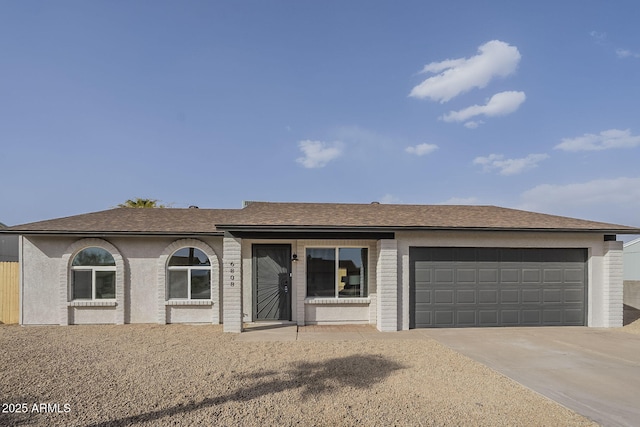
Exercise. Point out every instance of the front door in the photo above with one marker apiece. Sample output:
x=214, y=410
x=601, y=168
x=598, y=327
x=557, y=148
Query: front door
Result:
x=272, y=282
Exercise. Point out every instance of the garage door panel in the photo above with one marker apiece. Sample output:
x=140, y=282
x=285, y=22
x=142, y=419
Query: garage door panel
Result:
x=509, y=296
x=466, y=317
x=551, y=317
x=465, y=275
x=466, y=296
x=573, y=275
x=487, y=318
x=510, y=275
x=510, y=317
x=444, y=318
x=458, y=287
x=552, y=296
x=444, y=275
x=573, y=295
x=531, y=317
x=423, y=296
x=487, y=296
x=552, y=275
x=531, y=296
x=423, y=275
x=531, y=275
x=488, y=276
x=442, y=296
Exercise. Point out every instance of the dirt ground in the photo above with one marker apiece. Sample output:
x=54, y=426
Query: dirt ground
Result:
x=190, y=375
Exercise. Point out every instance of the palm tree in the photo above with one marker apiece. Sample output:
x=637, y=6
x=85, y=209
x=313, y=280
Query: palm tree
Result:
x=141, y=203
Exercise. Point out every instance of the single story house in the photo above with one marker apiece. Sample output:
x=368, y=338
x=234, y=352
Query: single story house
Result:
x=393, y=266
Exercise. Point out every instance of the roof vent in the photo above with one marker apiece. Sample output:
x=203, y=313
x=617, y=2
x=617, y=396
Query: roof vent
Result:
x=193, y=207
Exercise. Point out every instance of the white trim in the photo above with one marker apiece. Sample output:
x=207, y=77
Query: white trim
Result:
x=326, y=301
x=183, y=302
x=92, y=303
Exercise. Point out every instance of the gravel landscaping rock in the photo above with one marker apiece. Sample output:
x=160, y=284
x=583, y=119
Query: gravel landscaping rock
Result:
x=190, y=375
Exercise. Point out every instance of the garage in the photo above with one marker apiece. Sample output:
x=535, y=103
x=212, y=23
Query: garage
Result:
x=482, y=287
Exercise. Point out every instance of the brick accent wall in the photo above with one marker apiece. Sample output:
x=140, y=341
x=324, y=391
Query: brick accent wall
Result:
x=387, y=281
x=232, y=284
x=612, y=284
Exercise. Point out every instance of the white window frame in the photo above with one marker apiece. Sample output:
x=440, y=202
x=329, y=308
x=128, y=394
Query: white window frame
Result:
x=188, y=269
x=336, y=279
x=93, y=270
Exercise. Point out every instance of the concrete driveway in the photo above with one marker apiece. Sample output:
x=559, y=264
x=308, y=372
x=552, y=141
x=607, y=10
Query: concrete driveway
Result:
x=595, y=372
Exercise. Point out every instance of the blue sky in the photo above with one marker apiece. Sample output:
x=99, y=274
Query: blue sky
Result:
x=530, y=105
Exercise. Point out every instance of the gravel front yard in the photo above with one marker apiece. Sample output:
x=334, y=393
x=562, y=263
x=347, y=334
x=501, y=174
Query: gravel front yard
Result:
x=189, y=375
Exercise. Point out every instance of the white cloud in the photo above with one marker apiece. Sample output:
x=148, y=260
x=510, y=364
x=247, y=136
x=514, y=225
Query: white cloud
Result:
x=456, y=76
x=626, y=53
x=599, y=37
x=612, y=138
x=421, y=149
x=509, y=166
x=611, y=197
x=473, y=124
x=317, y=153
x=500, y=104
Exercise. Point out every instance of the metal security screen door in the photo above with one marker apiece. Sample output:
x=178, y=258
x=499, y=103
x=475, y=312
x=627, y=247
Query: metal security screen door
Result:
x=272, y=282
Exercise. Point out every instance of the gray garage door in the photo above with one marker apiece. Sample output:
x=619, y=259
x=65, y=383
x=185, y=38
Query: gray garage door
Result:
x=466, y=287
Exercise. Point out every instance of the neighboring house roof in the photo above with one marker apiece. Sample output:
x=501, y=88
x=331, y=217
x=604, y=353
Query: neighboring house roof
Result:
x=270, y=216
x=631, y=243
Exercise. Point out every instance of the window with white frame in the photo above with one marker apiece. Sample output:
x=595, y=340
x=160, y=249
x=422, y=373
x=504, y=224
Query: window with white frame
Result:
x=189, y=275
x=337, y=272
x=93, y=275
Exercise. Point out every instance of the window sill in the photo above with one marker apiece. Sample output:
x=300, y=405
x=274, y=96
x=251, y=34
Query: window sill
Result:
x=183, y=302
x=108, y=303
x=326, y=301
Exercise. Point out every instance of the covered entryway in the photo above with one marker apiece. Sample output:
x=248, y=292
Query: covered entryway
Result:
x=471, y=287
x=271, y=280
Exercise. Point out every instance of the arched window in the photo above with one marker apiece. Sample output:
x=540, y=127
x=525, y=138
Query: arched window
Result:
x=93, y=275
x=189, y=275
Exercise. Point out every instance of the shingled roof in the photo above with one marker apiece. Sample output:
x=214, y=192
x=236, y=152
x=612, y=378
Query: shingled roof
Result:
x=161, y=221
x=270, y=216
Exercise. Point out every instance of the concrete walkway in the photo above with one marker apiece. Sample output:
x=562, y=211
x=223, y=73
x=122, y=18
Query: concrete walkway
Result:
x=292, y=332
x=595, y=372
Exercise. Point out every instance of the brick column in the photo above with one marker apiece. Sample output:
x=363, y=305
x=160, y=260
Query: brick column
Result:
x=612, y=284
x=387, y=281
x=232, y=284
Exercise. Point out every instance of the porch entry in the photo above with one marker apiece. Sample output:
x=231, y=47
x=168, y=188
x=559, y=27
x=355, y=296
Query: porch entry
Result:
x=272, y=282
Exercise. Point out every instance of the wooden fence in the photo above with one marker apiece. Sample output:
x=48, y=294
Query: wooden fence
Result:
x=9, y=292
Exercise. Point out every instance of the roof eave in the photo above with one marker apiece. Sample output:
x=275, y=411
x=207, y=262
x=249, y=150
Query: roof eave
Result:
x=333, y=228
x=112, y=233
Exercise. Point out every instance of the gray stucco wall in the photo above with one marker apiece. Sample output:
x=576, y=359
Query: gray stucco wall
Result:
x=43, y=270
